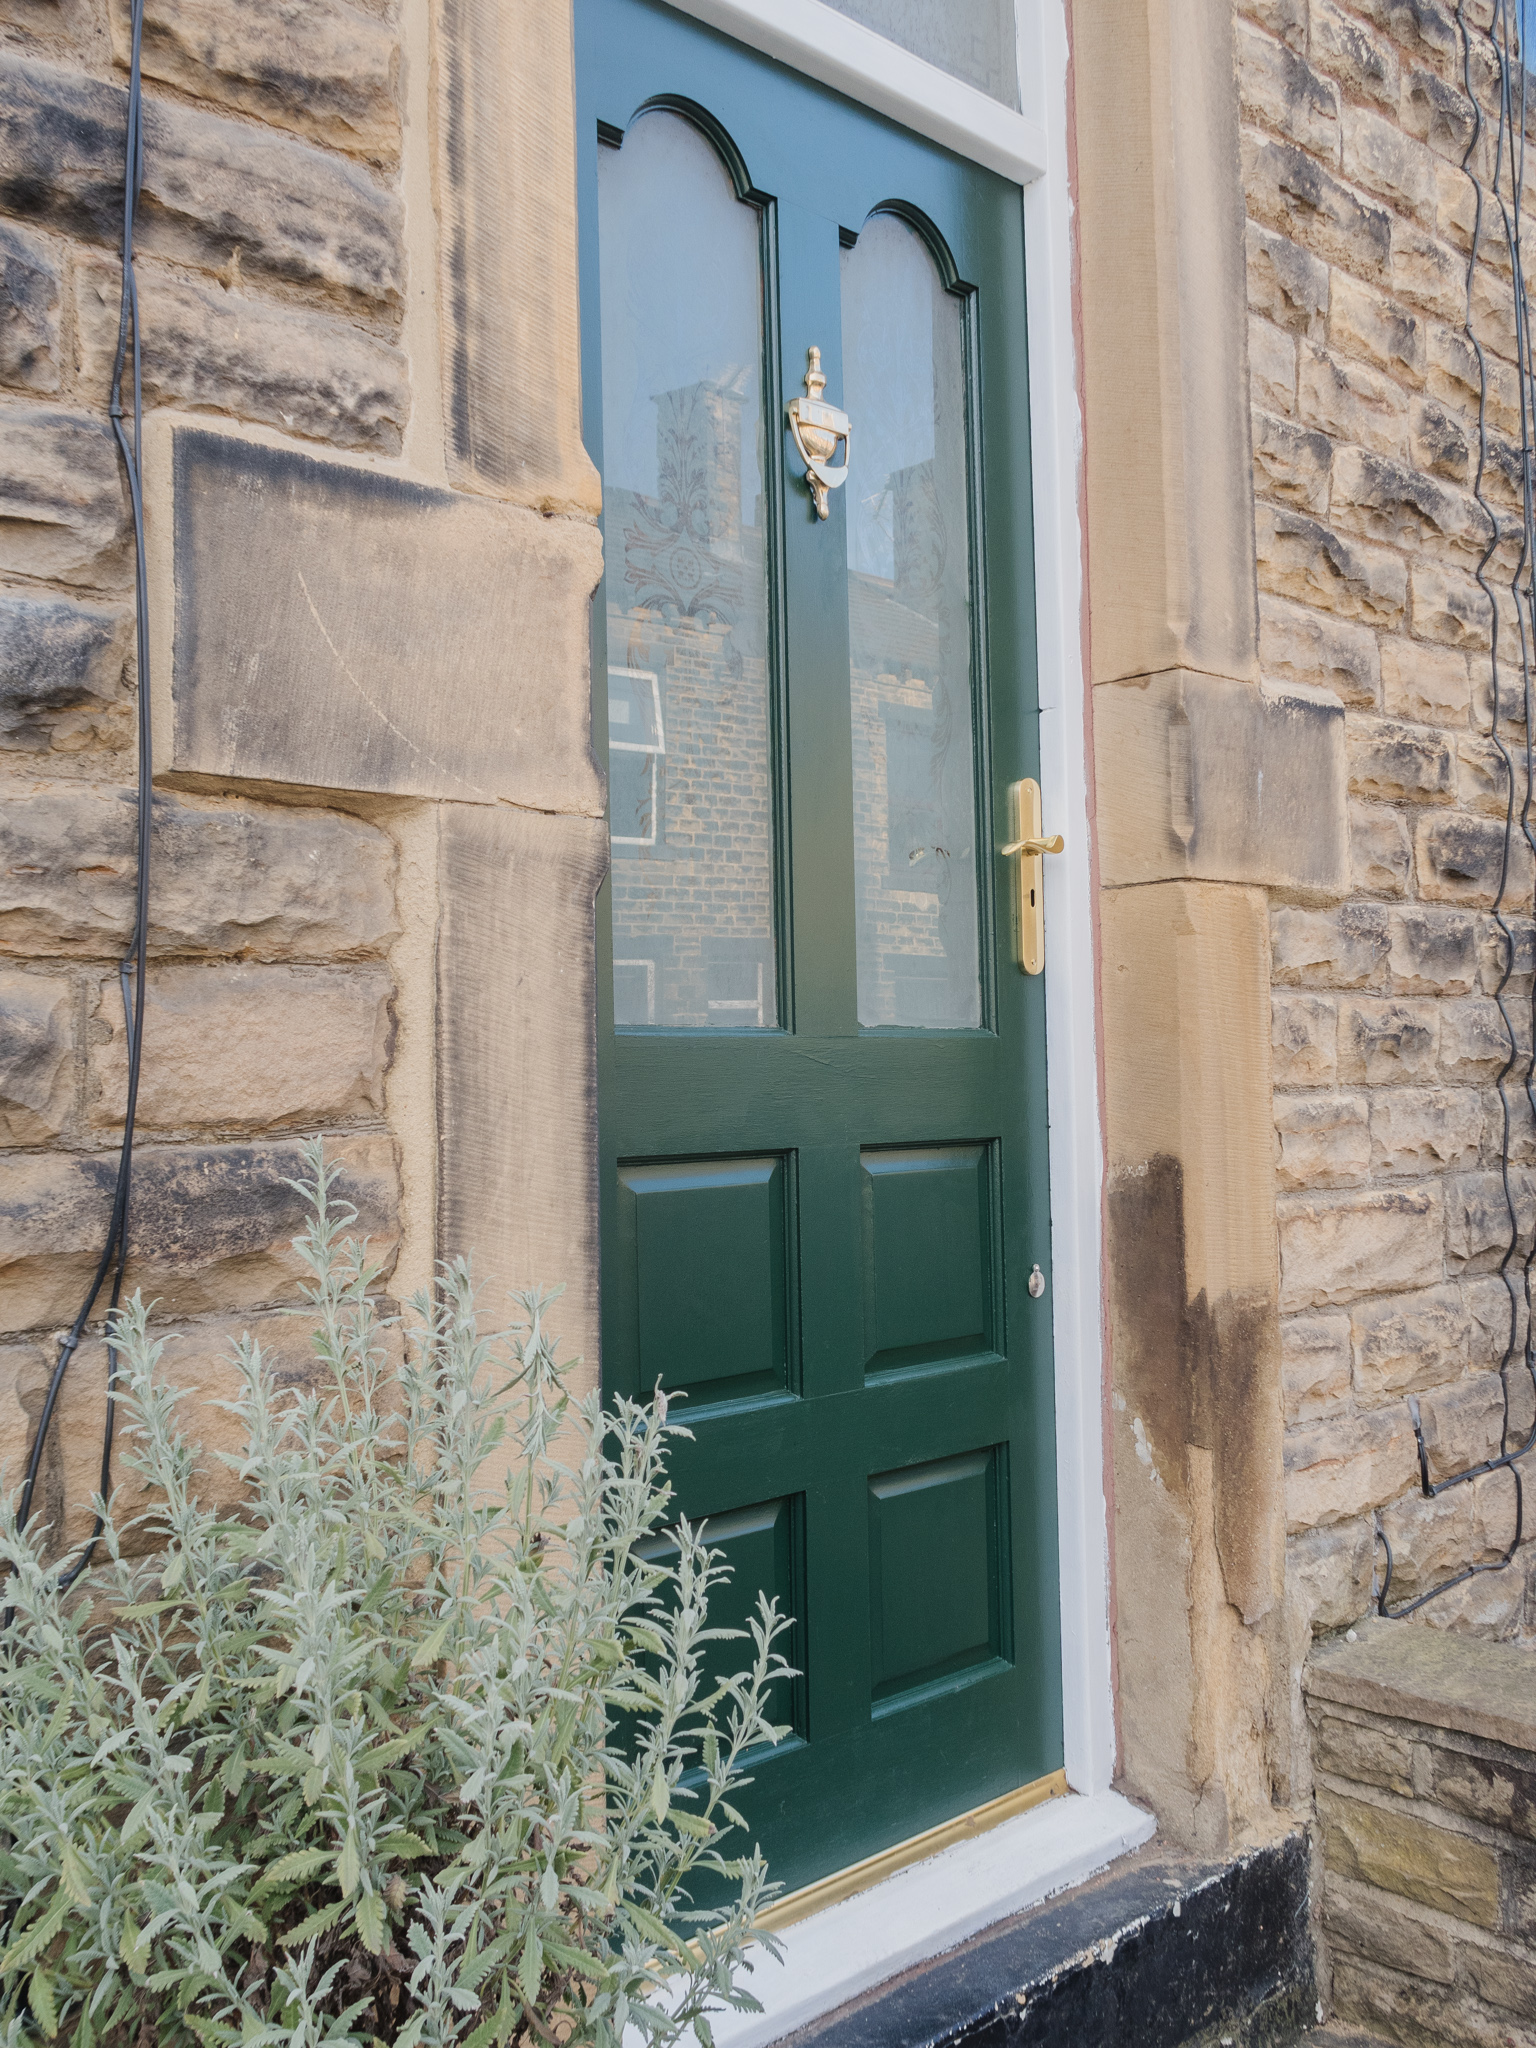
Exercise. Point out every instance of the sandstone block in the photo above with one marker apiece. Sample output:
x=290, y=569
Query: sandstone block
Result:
x=63, y=509
x=1500, y=1979
x=1463, y=859
x=307, y=373
x=1328, y=1573
x=1363, y=321
x=1440, y=440
x=1303, y=1039
x=1387, y=501
x=1377, y=1240
x=61, y=675
x=1344, y=948
x=1280, y=89
x=263, y=881
x=1286, y=283
x=1494, y=1790
x=1474, y=1040
x=1396, y=167
x=1290, y=463
x=1372, y=1996
x=1299, y=645
x=36, y=1057
x=1298, y=557
x=1453, y=373
x=1359, y=1919
x=1496, y=1513
x=1388, y=1040
x=1478, y=1223
x=1397, y=1852
x=210, y=1226
x=1338, y=1469
x=29, y=310
x=1286, y=19
x=1433, y=952
x=1272, y=366
x=1290, y=191
x=1364, y=1753
x=1380, y=854
x=318, y=66
x=1428, y=684
x=1427, y=272
x=313, y=1046
x=1324, y=1140
x=1432, y=1540
x=1345, y=48
x=1351, y=401
x=1483, y=776
x=1493, y=312
x=1405, y=1342
x=1511, y=686
x=1425, y=1130
x=1402, y=763
x=212, y=187
x=1314, y=1365
x=1506, y=948
x=1497, y=1323
x=1462, y=1424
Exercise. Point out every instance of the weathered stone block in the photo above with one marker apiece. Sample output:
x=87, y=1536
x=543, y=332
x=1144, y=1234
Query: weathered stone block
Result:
x=1303, y=1039
x=1387, y=501
x=1351, y=401
x=1379, y=1240
x=308, y=373
x=61, y=675
x=29, y=310
x=1279, y=88
x=1462, y=1424
x=1497, y=1323
x=1438, y=113
x=1363, y=1752
x=63, y=508
x=1290, y=462
x=410, y=640
x=1407, y=1341
x=1300, y=558
x=1328, y=1573
x=1334, y=1472
x=1485, y=770
x=1440, y=441
x=1387, y=1040
x=1344, y=47
x=1427, y=272
x=1380, y=852
x=1432, y=1540
x=1314, y=1365
x=213, y=188
x=1394, y=166
x=1453, y=372
x=1503, y=1980
x=318, y=66
x=247, y=1048
x=36, y=1057
x=1425, y=1130
x=1419, y=2014
x=1397, y=1852
x=264, y=881
x=1495, y=1790
x=1433, y=952
x=1201, y=777
x=1400, y=763
x=1272, y=366
x=1364, y=322
x=1324, y=1140
x=1290, y=191
x=1448, y=606
x=1286, y=283
x=1478, y=1224
x=1360, y=1920
x=1464, y=859
x=210, y=1227
x=1344, y=948
x=1300, y=645
x=1475, y=1042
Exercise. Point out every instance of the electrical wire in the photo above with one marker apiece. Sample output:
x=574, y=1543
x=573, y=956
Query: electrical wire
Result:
x=131, y=970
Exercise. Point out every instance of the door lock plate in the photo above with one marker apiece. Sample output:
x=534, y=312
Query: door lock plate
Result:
x=1025, y=825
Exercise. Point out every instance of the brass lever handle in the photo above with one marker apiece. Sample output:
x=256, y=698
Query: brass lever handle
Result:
x=1030, y=845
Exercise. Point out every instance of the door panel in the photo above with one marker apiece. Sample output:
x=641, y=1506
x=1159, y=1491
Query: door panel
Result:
x=821, y=1076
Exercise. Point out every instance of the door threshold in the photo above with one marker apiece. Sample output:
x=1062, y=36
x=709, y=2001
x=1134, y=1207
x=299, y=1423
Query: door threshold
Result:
x=921, y=1910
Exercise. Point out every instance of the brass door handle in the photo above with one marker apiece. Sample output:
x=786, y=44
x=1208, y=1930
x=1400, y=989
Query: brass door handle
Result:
x=1027, y=842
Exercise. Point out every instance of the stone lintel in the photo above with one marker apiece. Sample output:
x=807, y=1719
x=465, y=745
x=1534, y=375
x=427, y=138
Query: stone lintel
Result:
x=1200, y=777
x=343, y=627
x=1442, y=1679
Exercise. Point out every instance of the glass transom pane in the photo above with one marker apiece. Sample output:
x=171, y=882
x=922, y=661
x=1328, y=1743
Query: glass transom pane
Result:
x=689, y=768
x=909, y=629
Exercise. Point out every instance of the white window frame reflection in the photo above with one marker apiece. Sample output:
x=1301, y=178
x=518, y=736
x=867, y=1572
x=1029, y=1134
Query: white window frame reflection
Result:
x=654, y=748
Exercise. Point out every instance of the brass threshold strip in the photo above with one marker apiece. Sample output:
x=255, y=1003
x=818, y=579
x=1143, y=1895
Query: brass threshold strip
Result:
x=862, y=1877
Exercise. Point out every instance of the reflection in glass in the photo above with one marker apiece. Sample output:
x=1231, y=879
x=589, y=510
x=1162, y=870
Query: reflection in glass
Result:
x=909, y=619
x=689, y=781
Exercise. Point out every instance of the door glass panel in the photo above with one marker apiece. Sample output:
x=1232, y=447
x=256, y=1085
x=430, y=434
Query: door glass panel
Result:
x=909, y=629
x=689, y=768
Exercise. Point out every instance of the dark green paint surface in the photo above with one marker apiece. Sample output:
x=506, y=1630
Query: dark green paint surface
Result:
x=824, y=1235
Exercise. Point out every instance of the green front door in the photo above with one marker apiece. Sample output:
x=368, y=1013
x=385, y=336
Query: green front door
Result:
x=821, y=1073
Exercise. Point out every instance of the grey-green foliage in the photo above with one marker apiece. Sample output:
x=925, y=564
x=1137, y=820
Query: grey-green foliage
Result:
x=417, y=1747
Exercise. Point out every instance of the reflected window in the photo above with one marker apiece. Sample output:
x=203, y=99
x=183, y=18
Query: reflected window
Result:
x=909, y=619
x=689, y=767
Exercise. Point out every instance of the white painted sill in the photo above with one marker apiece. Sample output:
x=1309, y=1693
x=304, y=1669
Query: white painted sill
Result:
x=930, y=1907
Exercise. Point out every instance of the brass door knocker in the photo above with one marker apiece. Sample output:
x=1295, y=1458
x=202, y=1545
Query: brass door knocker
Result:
x=817, y=428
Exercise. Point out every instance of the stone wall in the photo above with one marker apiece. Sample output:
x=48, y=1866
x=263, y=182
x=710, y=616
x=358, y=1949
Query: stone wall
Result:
x=1425, y=1749
x=1387, y=1040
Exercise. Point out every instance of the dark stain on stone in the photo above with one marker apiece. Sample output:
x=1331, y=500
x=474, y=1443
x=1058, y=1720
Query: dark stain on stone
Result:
x=1199, y=1374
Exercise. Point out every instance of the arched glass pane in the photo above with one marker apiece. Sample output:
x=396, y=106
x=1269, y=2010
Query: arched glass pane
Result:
x=689, y=773
x=909, y=629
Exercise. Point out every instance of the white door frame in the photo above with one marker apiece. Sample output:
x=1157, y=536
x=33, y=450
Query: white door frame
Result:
x=931, y=1906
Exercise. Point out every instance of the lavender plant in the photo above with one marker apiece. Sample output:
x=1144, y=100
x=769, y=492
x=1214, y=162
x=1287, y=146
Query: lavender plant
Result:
x=418, y=1747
